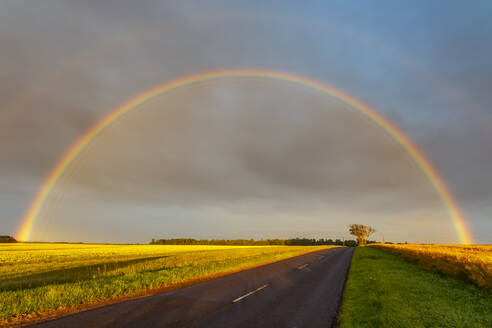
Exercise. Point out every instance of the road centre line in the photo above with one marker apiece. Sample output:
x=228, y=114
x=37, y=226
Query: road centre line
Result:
x=302, y=266
x=250, y=293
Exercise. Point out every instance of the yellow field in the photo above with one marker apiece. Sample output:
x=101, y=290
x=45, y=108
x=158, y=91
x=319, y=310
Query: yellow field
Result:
x=42, y=280
x=460, y=261
x=22, y=259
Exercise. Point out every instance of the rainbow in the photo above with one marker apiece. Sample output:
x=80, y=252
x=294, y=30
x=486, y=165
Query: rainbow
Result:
x=27, y=222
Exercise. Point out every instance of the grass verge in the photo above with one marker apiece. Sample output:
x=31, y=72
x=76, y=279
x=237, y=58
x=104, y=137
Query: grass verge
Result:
x=467, y=262
x=383, y=290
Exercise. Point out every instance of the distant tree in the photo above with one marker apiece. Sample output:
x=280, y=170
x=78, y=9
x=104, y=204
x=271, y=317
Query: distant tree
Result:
x=361, y=232
x=7, y=239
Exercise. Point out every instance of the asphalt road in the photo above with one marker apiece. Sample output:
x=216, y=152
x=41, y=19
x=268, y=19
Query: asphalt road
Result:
x=303, y=291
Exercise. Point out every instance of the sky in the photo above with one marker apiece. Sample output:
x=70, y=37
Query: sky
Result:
x=245, y=157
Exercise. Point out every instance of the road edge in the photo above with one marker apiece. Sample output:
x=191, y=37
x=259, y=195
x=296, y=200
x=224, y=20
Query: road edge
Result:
x=335, y=323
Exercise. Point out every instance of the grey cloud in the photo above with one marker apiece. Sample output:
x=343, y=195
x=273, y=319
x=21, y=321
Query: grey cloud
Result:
x=257, y=147
x=250, y=142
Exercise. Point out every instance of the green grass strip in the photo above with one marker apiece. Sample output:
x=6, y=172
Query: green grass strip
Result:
x=383, y=290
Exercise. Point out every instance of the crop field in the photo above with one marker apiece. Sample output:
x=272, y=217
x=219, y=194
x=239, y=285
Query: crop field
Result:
x=473, y=263
x=43, y=280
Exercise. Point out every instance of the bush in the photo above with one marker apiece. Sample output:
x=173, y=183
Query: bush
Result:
x=7, y=239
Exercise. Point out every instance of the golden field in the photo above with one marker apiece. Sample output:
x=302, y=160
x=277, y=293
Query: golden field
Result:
x=45, y=280
x=470, y=262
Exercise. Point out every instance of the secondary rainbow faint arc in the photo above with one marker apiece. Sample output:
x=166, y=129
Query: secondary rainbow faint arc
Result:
x=25, y=228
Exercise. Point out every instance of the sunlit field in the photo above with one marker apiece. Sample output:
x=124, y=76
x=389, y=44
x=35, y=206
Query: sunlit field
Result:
x=42, y=280
x=469, y=262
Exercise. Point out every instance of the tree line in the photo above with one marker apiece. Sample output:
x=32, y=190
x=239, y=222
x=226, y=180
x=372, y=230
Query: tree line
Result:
x=360, y=231
x=252, y=242
x=7, y=239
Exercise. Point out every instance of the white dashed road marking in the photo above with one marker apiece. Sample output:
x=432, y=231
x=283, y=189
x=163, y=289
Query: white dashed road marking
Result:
x=250, y=293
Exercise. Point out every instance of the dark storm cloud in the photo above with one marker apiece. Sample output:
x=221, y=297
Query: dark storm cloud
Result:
x=251, y=140
x=425, y=66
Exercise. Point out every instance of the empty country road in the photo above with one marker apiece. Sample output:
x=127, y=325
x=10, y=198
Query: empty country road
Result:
x=302, y=291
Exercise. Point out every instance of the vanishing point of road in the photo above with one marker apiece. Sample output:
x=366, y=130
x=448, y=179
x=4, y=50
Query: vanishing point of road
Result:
x=303, y=291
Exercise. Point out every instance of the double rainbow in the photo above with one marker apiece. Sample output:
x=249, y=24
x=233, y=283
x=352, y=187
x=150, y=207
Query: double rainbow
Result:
x=26, y=226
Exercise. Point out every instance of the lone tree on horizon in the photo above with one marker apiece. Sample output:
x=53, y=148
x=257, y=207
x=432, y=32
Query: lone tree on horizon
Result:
x=361, y=232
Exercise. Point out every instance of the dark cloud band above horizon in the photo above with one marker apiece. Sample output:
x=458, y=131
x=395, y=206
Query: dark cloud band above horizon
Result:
x=246, y=146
